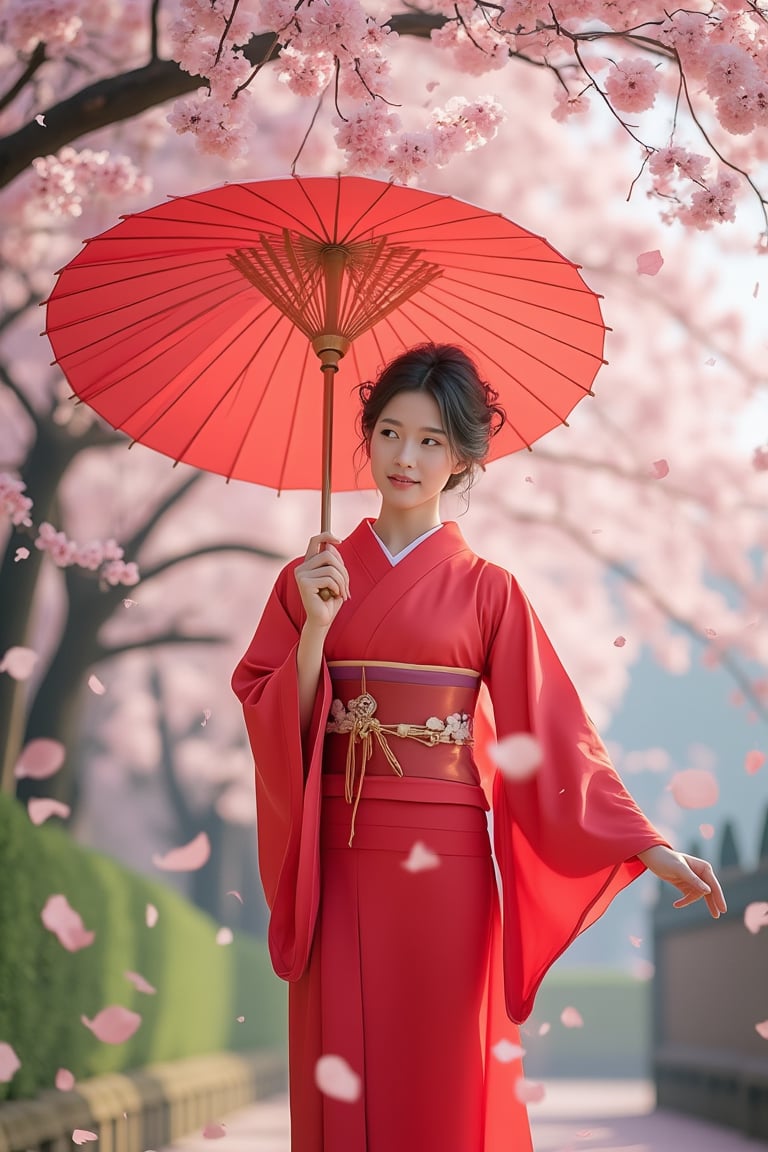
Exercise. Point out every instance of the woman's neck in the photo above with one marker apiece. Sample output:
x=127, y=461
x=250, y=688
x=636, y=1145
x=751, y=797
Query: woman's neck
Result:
x=397, y=529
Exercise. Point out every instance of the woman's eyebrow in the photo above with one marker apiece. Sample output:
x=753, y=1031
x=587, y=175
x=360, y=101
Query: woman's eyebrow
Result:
x=399, y=423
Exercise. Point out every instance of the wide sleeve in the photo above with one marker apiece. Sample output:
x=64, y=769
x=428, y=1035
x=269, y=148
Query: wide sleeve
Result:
x=566, y=838
x=288, y=775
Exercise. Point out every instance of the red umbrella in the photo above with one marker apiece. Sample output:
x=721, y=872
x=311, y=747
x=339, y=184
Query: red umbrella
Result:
x=195, y=326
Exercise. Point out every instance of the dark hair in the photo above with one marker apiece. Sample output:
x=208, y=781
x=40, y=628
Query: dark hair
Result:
x=470, y=414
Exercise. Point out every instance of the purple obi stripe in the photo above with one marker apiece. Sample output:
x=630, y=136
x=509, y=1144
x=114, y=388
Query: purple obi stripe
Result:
x=392, y=674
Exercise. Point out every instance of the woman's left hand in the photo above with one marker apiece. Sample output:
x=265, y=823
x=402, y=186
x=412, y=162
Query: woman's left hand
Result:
x=695, y=878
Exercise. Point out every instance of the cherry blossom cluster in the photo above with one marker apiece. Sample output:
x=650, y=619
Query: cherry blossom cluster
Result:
x=55, y=23
x=13, y=503
x=106, y=557
x=711, y=61
x=61, y=184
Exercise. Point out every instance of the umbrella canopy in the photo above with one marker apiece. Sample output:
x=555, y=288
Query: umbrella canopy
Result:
x=195, y=326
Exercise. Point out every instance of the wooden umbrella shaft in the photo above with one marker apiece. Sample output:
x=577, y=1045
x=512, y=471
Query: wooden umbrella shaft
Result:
x=329, y=371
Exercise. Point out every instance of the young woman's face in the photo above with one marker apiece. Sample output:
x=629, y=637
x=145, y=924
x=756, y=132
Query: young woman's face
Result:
x=411, y=460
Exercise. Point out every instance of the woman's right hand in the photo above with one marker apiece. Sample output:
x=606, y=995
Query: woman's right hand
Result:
x=322, y=567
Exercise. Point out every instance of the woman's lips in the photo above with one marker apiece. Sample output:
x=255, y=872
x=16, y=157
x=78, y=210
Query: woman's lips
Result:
x=402, y=481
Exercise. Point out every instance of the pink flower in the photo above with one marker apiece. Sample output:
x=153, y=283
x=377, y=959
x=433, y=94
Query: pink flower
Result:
x=760, y=459
x=305, y=75
x=567, y=105
x=713, y=205
x=12, y=501
x=90, y=556
x=59, y=548
x=633, y=84
x=118, y=572
x=730, y=69
x=366, y=136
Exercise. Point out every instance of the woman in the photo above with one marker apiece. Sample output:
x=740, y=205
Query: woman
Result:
x=373, y=843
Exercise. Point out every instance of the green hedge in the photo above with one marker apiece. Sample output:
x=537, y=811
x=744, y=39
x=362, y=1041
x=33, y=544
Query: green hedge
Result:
x=202, y=987
x=615, y=1038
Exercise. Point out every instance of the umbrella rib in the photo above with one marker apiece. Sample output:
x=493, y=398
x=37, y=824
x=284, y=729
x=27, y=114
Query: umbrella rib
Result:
x=530, y=356
x=292, y=426
x=157, y=354
x=190, y=384
x=232, y=387
x=262, y=398
x=323, y=236
x=128, y=330
x=96, y=316
x=446, y=279
x=103, y=284
x=417, y=208
x=529, y=327
x=350, y=233
x=248, y=216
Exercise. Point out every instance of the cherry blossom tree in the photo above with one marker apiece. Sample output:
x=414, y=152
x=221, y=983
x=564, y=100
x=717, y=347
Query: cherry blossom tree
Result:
x=111, y=105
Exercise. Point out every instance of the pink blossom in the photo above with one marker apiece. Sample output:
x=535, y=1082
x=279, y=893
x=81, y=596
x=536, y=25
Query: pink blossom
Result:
x=475, y=47
x=90, y=556
x=730, y=69
x=633, y=84
x=687, y=32
x=713, y=205
x=567, y=105
x=61, y=550
x=760, y=459
x=12, y=501
x=276, y=15
x=214, y=123
x=412, y=152
x=365, y=136
x=668, y=162
x=118, y=572
x=305, y=75
x=57, y=23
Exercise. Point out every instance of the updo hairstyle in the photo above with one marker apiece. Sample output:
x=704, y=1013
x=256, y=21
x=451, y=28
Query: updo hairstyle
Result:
x=468, y=408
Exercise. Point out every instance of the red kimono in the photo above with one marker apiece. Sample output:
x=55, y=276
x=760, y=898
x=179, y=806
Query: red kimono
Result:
x=414, y=974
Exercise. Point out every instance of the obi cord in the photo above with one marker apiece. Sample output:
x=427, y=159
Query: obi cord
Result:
x=358, y=720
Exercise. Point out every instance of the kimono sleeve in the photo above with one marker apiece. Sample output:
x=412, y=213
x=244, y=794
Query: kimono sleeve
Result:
x=566, y=839
x=288, y=775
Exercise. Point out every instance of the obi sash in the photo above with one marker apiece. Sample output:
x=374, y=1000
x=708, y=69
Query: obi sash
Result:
x=406, y=721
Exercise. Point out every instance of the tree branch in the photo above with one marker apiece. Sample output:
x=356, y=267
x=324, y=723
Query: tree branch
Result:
x=36, y=59
x=106, y=652
x=13, y=387
x=207, y=550
x=116, y=98
x=142, y=534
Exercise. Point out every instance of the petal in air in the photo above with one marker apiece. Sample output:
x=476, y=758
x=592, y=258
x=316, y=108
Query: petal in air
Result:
x=188, y=858
x=335, y=1078
x=421, y=858
x=113, y=1025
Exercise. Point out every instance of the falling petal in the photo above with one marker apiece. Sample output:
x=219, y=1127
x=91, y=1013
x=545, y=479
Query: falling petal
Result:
x=9, y=1063
x=754, y=762
x=710, y=362
x=237, y=895
x=127, y=603
x=432, y=84
x=113, y=1025
x=96, y=686
x=635, y=941
x=224, y=936
x=756, y=289
x=139, y=983
x=649, y=263
x=83, y=1136
x=40, y=759
x=66, y=924
x=40, y=119
x=659, y=469
x=21, y=554
x=505, y=1051
x=151, y=915
x=188, y=858
x=335, y=1078
x=528, y=1091
x=620, y=641
x=571, y=1018
x=710, y=632
x=421, y=858
x=206, y=717
x=517, y=756
x=707, y=831
x=64, y=1081
x=529, y=480
x=762, y=1029
x=240, y=1019
x=642, y=969
x=695, y=788
x=19, y=662
x=756, y=916
x=214, y=1131
x=39, y=808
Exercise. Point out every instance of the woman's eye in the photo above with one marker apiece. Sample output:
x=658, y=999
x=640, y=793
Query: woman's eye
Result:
x=388, y=432
x=431, y=440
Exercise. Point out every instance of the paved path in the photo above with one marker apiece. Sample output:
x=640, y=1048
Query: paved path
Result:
x=575, y=1116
